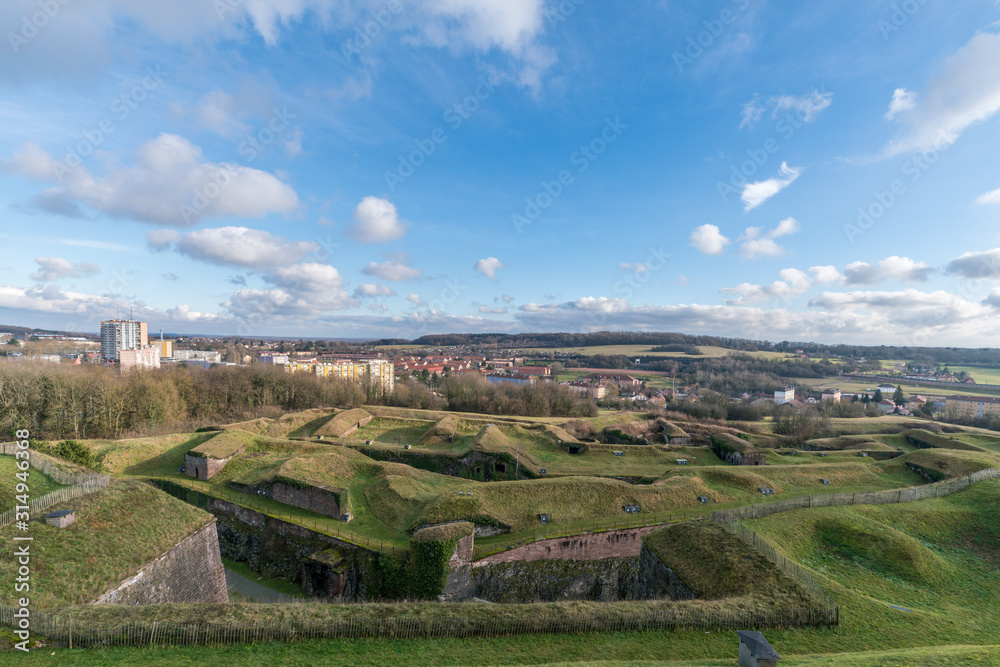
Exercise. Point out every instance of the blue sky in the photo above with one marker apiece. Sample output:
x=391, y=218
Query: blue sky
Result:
x=742, y=168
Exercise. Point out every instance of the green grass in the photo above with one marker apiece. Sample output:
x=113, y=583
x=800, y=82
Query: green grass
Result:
x=717, y=564
x=38, y=484
x=117, y=531
x=276, y=584
x=645, y=649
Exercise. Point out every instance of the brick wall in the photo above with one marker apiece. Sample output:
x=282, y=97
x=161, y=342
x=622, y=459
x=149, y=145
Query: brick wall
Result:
x=599, y=546
x=190, y=572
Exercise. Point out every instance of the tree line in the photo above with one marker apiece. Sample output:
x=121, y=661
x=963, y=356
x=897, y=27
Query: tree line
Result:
x=93, y=401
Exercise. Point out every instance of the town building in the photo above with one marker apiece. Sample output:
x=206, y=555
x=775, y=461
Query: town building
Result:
x=118, y=335
x=166, y=348
x=972, y=406
x=623, y=380
x=273, y=359
x=783, y=396
x=832, y=395
x=209, y=356
x=146, y=357
x=377, y=372
x=595, y=391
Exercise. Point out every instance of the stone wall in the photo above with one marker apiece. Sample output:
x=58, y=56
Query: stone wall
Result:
x=605, y=580
x=314, y=499
x=598, y=546
x=190, y=572
x=275, y=548
x=657, y=581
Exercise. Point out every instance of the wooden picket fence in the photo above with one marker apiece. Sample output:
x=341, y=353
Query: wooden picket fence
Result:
x=911, y=494
x=66, y=630
x=81, y=483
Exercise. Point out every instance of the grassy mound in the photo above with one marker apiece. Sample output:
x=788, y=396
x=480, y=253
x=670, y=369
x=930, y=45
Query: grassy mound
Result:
x=881, y=548
x=117, y=531
x=223, y=445
x=922, y=438
x=342, y=422
x=848, y=443
x=567, y=500
x=716, y=564
x=441, y=433
x=738, y=477
x=492, y=440
x=444, y=532
x=951, y=463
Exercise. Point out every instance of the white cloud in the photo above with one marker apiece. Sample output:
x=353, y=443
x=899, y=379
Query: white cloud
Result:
x=792, y=283
x=394, y=269
x=993, y=300
x=376, y=221
x=916, y=310
x=54, y=268
x=825, y=275
x=216, y=111
x=415, y=299
x=755, y=194
x=965, y=91
x=639, y=268
x=234, y=246
x=489, y=267
x=601, y=304
x=709, y=240
x=890, y=268
x=304, y=290
x=160, y=188
x=979, y=265
x=160, y=239
x=373, y=290
x=32, y=162
x=492, y=311
x=807, y=106
x=758, y=243
x=989, y=198
x=902, y=100
x=751, y=112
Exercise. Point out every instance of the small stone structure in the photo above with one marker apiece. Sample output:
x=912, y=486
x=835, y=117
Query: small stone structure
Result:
x=755, y=651
x=61, y=518
x=204, y=463
x=322, y=500
x=754, y=459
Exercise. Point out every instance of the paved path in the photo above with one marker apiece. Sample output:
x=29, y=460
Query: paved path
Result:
x=251, y=589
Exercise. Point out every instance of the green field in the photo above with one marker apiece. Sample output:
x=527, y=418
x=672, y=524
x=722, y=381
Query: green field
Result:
x=631, y=351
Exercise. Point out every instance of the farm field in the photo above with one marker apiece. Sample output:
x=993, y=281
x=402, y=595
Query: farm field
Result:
x=707, y=351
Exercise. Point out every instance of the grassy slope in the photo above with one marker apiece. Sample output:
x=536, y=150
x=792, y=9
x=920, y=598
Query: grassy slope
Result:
x=38, y=484
x=116, y=532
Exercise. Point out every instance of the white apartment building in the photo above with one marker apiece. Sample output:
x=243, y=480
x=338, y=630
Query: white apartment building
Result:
x=118, y=335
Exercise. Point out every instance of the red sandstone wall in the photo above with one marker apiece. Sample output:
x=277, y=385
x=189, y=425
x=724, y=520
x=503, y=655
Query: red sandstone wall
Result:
x=612, y=544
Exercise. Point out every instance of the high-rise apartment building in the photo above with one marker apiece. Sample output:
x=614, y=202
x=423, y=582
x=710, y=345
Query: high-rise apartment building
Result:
x=118, y=335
